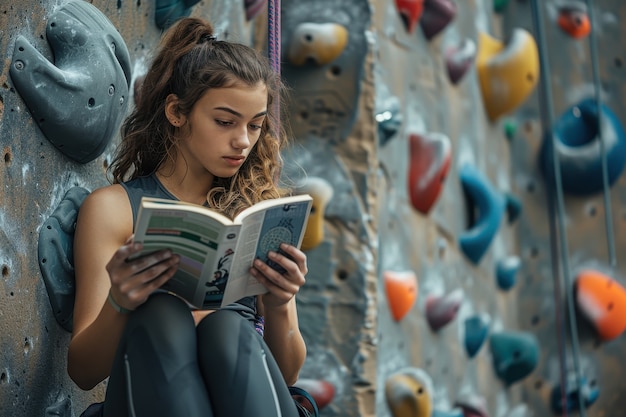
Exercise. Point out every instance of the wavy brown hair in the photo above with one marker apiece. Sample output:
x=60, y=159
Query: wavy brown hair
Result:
x=191, y=61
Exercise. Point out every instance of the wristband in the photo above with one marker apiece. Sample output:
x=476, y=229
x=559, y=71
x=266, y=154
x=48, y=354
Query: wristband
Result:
x=116, y=306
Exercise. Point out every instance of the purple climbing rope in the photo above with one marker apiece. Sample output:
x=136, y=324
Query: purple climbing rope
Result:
x=273, y=48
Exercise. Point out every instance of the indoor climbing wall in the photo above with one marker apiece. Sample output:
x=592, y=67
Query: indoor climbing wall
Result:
x=449, y=341
x=571, y=292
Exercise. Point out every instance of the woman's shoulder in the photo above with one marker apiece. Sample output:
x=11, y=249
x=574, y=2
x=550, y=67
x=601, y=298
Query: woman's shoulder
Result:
x=109, y=207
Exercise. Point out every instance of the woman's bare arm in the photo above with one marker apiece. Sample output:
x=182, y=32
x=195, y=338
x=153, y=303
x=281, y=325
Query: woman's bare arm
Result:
x=278, y=307
x=101, y=250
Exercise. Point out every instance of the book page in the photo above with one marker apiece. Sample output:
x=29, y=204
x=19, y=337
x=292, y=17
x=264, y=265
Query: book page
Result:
x=195, y=238
x=263, y=231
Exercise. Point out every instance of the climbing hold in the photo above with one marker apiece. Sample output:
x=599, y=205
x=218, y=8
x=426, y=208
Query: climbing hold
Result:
x=79, y=103
x=253, y=8
x=457, y=412
x=410, y=11
x=476, y=330
x=510, y=129
x=472, y=406
x=574, y=20
x=513, y=207
x=506, y=271
x=55, y=252
x=408, y=393
x=515, y=355
x=401, y=289
x=507, y=73
x=436, y=16
x=587, y=391
x=389, y=118
x=578, y=148
x=441, y=310
x=322, y=391
x=602, y=301
x=322, y=192
x=317, y=43
x=459, y=59
x=499, y=5
x=166, y=12
x=430, y=156
x=483, y=199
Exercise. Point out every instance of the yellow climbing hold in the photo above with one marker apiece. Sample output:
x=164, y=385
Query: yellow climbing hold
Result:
x=322, y=192
x=408, y=393
x=318, y=43
x=508, y=72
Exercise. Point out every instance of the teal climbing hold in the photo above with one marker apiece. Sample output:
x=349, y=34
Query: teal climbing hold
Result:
x=510, y=129
x=169, y=11
x=500, y=5
x=513, y=207
x=484, y=201
x=476, y=331
x=575, y=143
x=457, y=412
x=573, y=392
x=515, y=355
x=506, y=272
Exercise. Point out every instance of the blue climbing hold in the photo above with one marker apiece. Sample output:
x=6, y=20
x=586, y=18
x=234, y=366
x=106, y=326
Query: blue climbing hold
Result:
x=506, y=272
x=476, y=330
x=169, y=11
x=489, y=205
x=513, y=207
x=578, y=148
x=587, y=391
x=515, y=355
x=457, y=412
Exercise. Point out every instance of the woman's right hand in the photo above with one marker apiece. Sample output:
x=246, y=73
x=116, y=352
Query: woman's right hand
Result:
x=132, y=281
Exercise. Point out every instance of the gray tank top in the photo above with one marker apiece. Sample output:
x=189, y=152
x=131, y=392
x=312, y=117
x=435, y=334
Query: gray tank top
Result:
x=150, y=186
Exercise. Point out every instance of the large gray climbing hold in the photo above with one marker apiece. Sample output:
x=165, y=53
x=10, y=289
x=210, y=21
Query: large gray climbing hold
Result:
x=78, y=101
x=56, y=260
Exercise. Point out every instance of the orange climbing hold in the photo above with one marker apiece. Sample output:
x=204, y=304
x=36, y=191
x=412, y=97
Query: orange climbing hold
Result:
x=602, y=300
x=574, y=21
x=401, y=288
x=507, y=73
x=317, y=43
x=410, y=11
x=409, y=393
x=322, y=192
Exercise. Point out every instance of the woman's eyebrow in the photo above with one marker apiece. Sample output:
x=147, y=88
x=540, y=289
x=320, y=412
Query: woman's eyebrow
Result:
x=239, y=115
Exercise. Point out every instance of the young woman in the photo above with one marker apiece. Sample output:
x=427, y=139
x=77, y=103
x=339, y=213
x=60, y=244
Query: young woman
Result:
x=203, y=131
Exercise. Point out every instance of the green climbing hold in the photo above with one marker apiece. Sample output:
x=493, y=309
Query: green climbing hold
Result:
x=499, y=5
x=510, y=128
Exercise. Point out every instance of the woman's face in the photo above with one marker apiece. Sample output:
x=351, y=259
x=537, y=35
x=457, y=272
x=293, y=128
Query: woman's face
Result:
x=223, y=127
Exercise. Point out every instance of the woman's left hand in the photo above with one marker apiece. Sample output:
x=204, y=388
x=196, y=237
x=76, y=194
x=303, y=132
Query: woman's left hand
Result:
x=282, y=287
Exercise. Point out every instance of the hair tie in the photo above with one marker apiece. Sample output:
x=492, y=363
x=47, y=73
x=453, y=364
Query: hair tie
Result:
x=207, y=38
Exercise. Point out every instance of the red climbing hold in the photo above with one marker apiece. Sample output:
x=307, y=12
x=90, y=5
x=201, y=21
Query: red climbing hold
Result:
x=602, y=300
x=322, y=391
x=430, y=156
x=401, y=288
x=437, y=15
x=441, y=310
x=410, y=12
x=574, y=21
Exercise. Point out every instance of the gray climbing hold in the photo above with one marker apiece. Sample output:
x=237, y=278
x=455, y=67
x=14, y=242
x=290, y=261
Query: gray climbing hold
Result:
x=79, y=100
x=56, y=260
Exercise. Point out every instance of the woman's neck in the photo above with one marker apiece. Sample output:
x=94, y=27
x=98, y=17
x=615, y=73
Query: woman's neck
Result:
x=185, y=185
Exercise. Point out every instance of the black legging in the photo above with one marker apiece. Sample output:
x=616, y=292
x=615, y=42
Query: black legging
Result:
x=166, y=366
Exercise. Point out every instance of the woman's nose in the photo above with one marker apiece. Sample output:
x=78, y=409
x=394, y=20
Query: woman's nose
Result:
x=241, y=139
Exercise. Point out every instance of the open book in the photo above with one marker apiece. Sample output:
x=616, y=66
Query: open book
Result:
x=216, y=253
